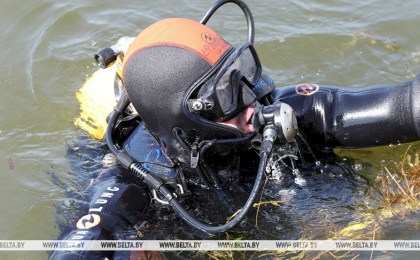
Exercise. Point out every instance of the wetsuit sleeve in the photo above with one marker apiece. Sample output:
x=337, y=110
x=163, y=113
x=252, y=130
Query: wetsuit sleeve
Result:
x=116, y=204
x=360, y=117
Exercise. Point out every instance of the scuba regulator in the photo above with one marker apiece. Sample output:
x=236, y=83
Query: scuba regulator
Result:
x=272, y=122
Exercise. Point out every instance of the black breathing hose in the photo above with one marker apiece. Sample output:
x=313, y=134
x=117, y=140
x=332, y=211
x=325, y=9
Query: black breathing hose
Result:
x=122, y=158
x=245, y=9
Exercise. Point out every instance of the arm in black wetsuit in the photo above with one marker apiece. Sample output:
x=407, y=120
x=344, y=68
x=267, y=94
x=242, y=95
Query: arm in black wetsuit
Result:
x=118, y=202
x=360, y=117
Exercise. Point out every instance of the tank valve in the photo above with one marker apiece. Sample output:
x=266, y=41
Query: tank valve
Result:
x=106, y=56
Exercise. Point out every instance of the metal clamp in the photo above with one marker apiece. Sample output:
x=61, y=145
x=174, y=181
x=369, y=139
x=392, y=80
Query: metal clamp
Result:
x=161, y=201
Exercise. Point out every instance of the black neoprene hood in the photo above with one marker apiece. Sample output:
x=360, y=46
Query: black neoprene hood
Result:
x=164, y=67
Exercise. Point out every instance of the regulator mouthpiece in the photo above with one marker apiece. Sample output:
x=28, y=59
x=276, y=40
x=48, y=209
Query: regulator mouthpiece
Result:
x=106, y=56
x=280, y=116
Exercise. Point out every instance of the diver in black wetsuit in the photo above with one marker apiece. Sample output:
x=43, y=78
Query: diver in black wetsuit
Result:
x=205, y=108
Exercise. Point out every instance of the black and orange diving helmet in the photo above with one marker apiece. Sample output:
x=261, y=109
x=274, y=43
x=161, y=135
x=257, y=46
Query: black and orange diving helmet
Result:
x=182, y=77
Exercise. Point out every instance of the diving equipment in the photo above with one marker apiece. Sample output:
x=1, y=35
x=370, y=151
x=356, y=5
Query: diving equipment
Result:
x=105, y=57
x=231, y=88
x=147, y=70
x=155, y=183
x=281, y=116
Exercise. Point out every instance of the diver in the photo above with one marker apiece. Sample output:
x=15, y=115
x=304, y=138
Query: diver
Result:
x=195, y=114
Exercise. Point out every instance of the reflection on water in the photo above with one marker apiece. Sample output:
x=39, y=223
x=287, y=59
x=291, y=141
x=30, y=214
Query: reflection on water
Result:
x=47, y=49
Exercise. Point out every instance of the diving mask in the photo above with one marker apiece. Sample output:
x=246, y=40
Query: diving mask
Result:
x=230, y=90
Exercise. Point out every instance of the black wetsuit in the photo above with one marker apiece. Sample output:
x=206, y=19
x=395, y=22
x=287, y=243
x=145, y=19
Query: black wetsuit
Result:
x=359, y=117
x=327, y=116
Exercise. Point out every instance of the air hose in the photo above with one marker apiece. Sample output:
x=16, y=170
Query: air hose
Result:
x=157, y=184
x=245, y=9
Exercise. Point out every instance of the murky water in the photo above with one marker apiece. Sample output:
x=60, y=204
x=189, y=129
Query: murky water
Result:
x=47, y=48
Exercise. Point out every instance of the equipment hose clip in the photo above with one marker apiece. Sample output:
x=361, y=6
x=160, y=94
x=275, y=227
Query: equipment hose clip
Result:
x=195, y=156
